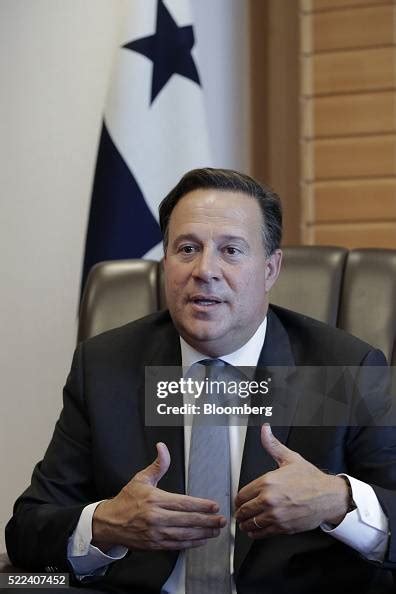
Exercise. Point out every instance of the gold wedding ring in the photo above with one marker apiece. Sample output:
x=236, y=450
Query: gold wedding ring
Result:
x=257, y=524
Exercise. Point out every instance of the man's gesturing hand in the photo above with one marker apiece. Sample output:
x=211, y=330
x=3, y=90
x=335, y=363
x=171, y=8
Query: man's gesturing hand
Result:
x=142, y=516
x=294, y=498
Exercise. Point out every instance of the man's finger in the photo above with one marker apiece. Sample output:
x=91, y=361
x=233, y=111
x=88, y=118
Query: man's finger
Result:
x=156, y=470
x=175, y=545
x=187, y=503
x=248, y=492
x=190, y=520
x=279, y=452
x=249, y=510
x=182, y=534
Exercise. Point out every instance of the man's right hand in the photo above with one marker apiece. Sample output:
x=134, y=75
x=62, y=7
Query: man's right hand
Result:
x=142, y=516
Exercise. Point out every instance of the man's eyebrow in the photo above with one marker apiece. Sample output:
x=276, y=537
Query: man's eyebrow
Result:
x=185, y=237
x=233, y=238
x=194, y=237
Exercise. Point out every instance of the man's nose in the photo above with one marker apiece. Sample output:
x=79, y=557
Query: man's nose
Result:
x=206, y=266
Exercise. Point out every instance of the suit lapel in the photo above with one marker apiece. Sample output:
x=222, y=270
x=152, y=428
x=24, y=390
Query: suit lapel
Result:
x=166, y=352
x=255, y=460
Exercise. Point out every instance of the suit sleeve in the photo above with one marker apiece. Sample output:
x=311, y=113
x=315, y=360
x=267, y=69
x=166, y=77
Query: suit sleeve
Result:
x=46, y=514
x=371, y=449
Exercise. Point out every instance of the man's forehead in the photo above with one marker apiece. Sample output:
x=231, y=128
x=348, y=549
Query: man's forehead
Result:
x=214, y=196
x=207, y=204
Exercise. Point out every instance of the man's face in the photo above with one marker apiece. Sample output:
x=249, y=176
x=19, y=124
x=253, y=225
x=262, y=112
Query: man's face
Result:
x=217, y=276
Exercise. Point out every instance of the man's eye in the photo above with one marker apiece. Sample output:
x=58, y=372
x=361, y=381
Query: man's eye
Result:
x=231, y=251
x=187, y=249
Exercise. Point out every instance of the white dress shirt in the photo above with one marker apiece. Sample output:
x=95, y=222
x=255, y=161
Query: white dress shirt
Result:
x=365, y=529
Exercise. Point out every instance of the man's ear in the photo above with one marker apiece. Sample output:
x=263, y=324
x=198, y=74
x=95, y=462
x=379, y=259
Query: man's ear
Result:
x=272, y=269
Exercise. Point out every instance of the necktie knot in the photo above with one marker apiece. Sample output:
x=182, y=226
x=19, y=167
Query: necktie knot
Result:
x=213, y=367
x=212, y=362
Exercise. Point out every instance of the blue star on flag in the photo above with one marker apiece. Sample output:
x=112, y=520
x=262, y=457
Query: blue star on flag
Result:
x=169, y=49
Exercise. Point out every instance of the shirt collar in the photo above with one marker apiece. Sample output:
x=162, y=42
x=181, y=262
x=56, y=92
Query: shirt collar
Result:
x=246, y=356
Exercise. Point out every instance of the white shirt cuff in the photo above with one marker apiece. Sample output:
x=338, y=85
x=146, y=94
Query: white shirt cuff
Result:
x=86, y=559
x=366, y=528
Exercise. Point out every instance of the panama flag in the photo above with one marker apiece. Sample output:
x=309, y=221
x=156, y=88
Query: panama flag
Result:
x=154, y=130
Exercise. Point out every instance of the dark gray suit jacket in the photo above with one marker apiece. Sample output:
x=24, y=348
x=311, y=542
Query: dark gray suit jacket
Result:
x=100, y=441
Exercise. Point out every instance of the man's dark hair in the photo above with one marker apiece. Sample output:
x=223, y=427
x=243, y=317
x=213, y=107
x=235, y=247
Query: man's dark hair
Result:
x=228, y=180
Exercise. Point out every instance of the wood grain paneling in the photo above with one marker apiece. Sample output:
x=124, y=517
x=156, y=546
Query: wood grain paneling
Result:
x=367, y=200
x=275, y=134
x=344, y=115
x=382, y=235
x=351, y=28
x=313, y=5
x=348, y=115
x=342, y=72
x=351, y=157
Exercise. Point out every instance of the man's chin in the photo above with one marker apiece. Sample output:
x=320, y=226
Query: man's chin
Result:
x=203, y=337
x=195, y=336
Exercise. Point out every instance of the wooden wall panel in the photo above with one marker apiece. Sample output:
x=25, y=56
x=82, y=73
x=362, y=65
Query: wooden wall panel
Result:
x=275, y=134
x=351, y=71
x=347, y=115
x=351, y=28
x=380, y=235
x=354, y=157
x=343, y=201
x=348, y=122
x=315, y=5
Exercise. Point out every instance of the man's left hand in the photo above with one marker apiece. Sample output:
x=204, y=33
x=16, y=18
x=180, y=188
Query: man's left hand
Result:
x=294, y=498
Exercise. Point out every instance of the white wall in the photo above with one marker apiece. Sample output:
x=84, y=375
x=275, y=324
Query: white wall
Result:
x=55, y=59
x=221, y=28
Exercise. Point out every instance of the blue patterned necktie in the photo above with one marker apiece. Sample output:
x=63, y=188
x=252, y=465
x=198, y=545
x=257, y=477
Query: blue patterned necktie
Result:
x=208, y=566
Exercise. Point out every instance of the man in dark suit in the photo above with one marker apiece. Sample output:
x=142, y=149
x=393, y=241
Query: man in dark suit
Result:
x=295, y=528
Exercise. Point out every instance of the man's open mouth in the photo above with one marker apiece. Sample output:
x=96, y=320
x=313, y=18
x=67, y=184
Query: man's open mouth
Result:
x=204, y=300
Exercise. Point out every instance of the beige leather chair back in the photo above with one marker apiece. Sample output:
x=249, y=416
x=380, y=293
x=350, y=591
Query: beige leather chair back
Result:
x=368, y=298
x=116, y=293
x=354, y=290
x=310, y=281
